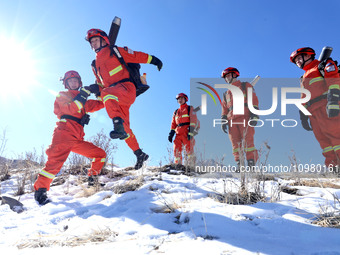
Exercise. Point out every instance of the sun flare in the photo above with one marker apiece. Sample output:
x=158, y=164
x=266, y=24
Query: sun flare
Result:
x=17, y=68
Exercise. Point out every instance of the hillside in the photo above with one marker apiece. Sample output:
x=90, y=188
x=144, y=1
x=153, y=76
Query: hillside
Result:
x=154, y=212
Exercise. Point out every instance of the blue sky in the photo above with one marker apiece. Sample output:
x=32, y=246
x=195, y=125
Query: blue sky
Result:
x=194, y=39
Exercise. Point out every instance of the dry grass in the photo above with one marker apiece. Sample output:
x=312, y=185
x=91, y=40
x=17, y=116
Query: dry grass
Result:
x=239, y=198
x=328, y=221
x=316, y=183
x=130, y=185
x=96, y=236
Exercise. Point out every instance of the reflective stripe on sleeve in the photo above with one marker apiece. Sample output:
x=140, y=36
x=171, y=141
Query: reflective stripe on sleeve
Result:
x=116, y=70
x=149, y=59
x=79, y=105
x=320, y=78
x=334, y=86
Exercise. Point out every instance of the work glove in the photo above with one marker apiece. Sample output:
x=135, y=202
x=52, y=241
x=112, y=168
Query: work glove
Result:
x=157, y=62
x=171, y=135
x=82, y=96
x=333, y=103
x=191, y=130
x=224, y=126
x=304, y=121
x=93, y=88
x=253, y=120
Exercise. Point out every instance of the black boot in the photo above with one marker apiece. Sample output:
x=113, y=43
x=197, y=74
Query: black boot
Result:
x=118, y=127
x=40, y=196
x=238, y=166
x=93, y=181
x=141, y=157
x=251, y=164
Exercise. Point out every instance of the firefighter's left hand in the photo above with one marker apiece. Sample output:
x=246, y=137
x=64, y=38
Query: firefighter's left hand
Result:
x=253, y=120
x=93, y=88
x=157, y=62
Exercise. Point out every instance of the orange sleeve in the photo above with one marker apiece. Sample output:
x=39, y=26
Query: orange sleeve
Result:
x=173, y=122
x=131, y=56
x=64, y=104
x=332, y=77
x=224, y=105
x=194, y=122
x=93, y=105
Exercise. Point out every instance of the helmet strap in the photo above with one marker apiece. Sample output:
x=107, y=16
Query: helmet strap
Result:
x=305, y=60
x=101, y=45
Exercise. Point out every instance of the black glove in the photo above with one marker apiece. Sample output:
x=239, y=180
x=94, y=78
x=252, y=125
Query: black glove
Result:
x=93, y=88
x=224, y=126
x=171, y=135
x=190, y=132
x=304, y=121
x=157, y=62
x=253, y=120
x=82, y=96
x=333, y=103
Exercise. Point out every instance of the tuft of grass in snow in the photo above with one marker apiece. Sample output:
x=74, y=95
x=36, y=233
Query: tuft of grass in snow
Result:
x=130, y=185
x=96, y=236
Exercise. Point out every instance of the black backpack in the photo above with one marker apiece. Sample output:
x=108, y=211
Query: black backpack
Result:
x=132, y=68
x=134, y=72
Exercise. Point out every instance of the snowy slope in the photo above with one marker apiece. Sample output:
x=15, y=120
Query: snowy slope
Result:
x=167, y=214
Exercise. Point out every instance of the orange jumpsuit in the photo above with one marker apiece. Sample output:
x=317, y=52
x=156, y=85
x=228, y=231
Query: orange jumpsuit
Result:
x=68, y=136
x=120, y=96
x=239, y=131
x=326, y=130
x=181, y=121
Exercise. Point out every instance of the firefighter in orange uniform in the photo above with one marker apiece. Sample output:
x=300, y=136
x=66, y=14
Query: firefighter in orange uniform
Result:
x=117, y=90
x=239, y=129
x=185, y=125
x=71, y=108
x=322, y=80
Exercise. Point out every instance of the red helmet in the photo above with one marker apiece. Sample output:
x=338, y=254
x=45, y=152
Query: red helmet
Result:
x=71, y=74
x=230, y=70
x=305, y=50
x=182, y=95
x=96, y=32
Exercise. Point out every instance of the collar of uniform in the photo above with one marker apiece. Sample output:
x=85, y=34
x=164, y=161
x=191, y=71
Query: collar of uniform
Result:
x=183, y=106
x=237, y=83
x=311, y=64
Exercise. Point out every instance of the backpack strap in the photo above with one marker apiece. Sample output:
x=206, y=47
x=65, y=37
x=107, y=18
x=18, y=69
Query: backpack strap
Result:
x=115, y=51
x=93, y=64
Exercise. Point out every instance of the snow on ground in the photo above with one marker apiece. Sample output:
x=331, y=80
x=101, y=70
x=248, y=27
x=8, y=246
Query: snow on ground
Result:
x=168, y=214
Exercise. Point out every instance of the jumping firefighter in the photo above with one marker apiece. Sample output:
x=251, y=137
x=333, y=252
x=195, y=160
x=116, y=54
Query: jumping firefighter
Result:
x=322, y=80
x=185, y=125
x=115, y=86
x=239, y=130
x=71, y=108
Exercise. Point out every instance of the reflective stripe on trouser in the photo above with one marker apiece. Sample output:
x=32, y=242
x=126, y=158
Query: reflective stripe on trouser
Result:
x=181, y=140
x=126, y=95
x=62, y=144
x=237, y=132
x=327, y=132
